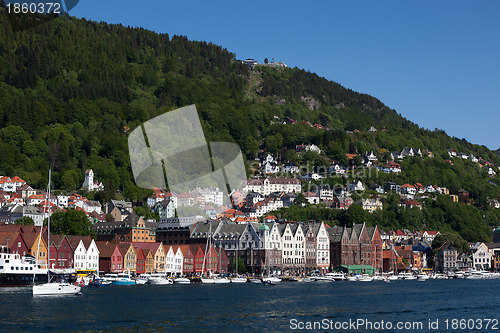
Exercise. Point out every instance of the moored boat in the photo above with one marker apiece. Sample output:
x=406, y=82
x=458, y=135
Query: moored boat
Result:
x=182, y=280
x=239, y=280
x=124, y=279
x=159, y=279
x=18, y=271
x=55, y=286
x=364, y=278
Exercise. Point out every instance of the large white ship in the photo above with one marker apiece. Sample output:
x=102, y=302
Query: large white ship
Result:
x=19, y=271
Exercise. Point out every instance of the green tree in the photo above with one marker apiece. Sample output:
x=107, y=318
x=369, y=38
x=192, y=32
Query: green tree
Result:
x=70, y=180
x=458, y=242
x=71, y=222
x=241, y=266
x=25, y=220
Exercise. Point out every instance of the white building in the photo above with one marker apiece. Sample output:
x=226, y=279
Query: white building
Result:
x=270, y=165
x=86, y=253
x=171, y=266
x=62, y=201
x=313, y=148
x=357, y=185
x=324, y=192
x=290, y=168
x=90, y=184
x=269, y=185
x=312, y=198
x=322, y=246
x=293, y=246
x=160, y=195
x=481, y=257
x=11, y=184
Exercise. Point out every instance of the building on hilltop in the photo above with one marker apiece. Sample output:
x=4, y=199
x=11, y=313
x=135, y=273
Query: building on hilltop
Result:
x=90, y=184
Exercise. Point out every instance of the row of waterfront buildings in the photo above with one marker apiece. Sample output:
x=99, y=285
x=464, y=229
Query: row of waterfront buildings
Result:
x=269, y=247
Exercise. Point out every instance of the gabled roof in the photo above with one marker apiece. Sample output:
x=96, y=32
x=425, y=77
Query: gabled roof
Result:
x=17, y=180
x=8, y=238
x=153, y=246
x=106, y=249
x=30, y=239
x=184, y=249
x=335, y=234
x=11, y=228
x=75, y=240
x=57, y=240
x=124, y=247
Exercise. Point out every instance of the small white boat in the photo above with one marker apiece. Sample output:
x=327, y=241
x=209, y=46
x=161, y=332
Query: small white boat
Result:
x=308, y=279
x=336, y=276
x=56, y=289
x=478, y=275
x=407, y=276
x=392, y=278
x=352, y=278
x=142, y=279
x=124, y=279
x=255, y=280
x=182, y=280
x=159, y=278
x=110, y=277
x=422, y=277
x=239, y=280
x=324, y=279
x=365, y=278
x=221, y=280
x=271, y=279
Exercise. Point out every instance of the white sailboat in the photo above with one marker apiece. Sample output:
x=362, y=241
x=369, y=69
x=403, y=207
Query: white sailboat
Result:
x=52, y=288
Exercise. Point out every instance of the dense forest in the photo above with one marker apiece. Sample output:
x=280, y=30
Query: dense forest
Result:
x=71, y=90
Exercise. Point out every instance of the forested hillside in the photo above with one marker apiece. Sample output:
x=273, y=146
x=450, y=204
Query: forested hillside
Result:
x=71, y=90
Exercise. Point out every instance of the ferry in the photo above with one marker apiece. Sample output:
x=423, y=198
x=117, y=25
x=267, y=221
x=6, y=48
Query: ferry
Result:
x=19, y=271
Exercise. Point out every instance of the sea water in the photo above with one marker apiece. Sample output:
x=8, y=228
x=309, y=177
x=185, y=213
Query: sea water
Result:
x=430, y=306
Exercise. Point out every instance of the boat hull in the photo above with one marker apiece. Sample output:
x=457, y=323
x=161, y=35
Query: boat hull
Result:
x=55, y=289
x=159, y=281
x=123, y=283
x=19, y=280
x=182, y=281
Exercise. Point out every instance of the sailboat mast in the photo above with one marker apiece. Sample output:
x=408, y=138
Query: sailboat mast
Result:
x=206, y=247
x=48, y=230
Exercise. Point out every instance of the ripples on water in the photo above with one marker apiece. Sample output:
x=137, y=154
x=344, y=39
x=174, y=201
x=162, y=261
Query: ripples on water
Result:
x=245, y=307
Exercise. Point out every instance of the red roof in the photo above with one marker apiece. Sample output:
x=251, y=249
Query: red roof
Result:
x=17, y=180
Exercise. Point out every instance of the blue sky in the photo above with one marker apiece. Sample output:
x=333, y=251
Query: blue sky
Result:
x=435, y=62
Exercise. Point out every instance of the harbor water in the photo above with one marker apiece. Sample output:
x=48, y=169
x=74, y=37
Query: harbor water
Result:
x=286, y=306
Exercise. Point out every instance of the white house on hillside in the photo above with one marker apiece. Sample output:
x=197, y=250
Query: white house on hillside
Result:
x=90, y=184
x=270, y=165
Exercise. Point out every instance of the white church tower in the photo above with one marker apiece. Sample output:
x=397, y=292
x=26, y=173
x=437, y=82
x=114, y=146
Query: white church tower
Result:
x=90, y=184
